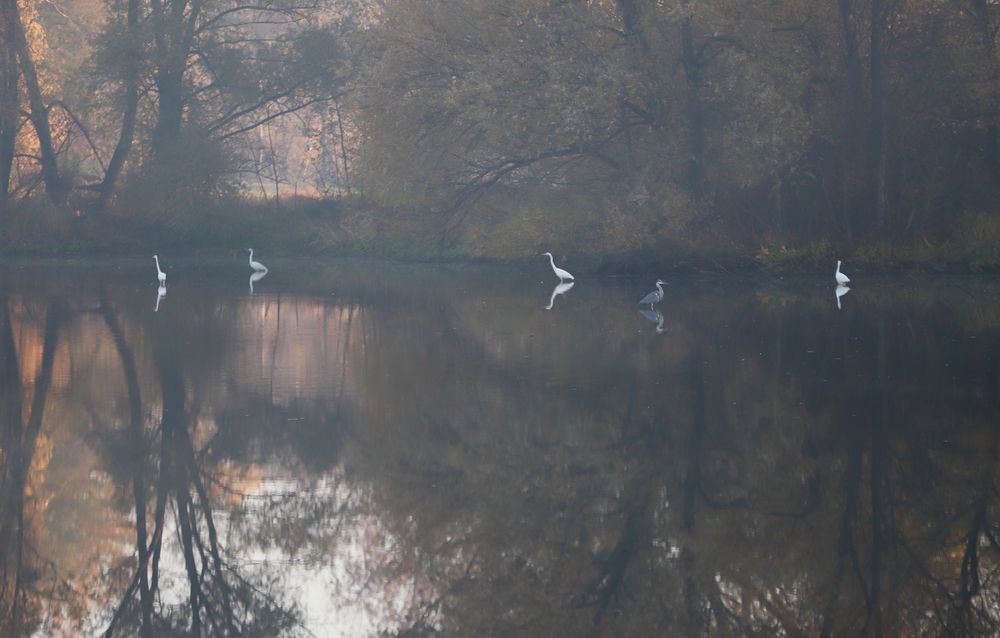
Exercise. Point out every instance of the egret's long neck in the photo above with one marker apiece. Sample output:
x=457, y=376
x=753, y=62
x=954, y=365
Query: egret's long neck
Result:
x=838, y=266
x=157, y=260
x=250, y=259
x=553, y=262
x=659, y=287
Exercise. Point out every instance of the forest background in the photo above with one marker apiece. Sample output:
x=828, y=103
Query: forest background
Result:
x=626, y=133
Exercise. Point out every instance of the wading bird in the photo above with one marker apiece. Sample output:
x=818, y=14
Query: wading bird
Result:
x=160, y=275
x=560, y=273
x=654, y=297
x=841, y=278
x=256, y=265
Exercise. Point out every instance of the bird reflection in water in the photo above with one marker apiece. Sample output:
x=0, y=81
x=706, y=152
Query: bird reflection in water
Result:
x=840, y=292
x=653, y=316
x=161, y=292
x=561, y=288
x=255, y=277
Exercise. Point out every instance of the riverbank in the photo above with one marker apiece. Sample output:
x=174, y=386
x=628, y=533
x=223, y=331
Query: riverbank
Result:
x=586, y=241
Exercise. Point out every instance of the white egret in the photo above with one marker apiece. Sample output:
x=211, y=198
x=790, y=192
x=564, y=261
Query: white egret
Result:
x=256, y=265
x=841, y=278
x=160, y=275
x=654, y=297
x=560, y=273
x=653, y=316
x=255, y=277
x=840, y=292
x=561, y=288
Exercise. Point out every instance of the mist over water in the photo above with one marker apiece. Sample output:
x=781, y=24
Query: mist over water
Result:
x=361, y=449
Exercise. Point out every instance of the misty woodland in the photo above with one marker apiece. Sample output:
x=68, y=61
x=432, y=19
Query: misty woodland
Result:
x=611, y=126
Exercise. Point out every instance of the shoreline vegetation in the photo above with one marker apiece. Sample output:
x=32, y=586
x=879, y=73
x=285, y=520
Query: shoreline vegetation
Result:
x=625, y=136
x=593, y=240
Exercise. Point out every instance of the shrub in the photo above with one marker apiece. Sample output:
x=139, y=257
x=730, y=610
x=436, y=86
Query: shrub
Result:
x=175, y=185
x=976, y=240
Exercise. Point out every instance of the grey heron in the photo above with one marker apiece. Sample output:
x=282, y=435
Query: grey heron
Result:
x=654, y=297
x=560, y=273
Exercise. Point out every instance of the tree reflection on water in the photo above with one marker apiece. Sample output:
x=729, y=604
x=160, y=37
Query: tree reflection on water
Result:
x=426, y=463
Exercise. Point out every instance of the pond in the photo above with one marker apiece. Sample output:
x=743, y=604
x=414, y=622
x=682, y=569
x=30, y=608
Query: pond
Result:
x=361, y=449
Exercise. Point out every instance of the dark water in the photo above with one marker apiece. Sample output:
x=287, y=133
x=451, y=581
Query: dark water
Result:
x=362, y=449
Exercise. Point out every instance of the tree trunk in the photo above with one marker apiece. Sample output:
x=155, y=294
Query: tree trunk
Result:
x=993, y=154
x=631, y=24
x=695, y=621
x=173, y=424
x=174, y=34
x=981, y=14
x=853, y=60
x=845, y=540
x=638, y=57
x=19, y=450
x=11, y=427
x=878, y=474
x=853, y=122
x=880, y=133
x=171, y=111
x=138, y=452
x=39, y=114
x=127, y=133
x=343, y=147
x=694, y=109
x=8, y=109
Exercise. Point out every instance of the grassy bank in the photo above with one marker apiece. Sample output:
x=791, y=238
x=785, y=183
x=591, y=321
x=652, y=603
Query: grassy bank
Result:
x=593, y=239
x=973, y=245
x=38, y=229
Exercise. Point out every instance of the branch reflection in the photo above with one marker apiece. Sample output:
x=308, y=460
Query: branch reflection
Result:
x=397, y=465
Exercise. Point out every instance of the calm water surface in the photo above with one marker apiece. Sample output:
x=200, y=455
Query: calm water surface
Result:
x=359, y=449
